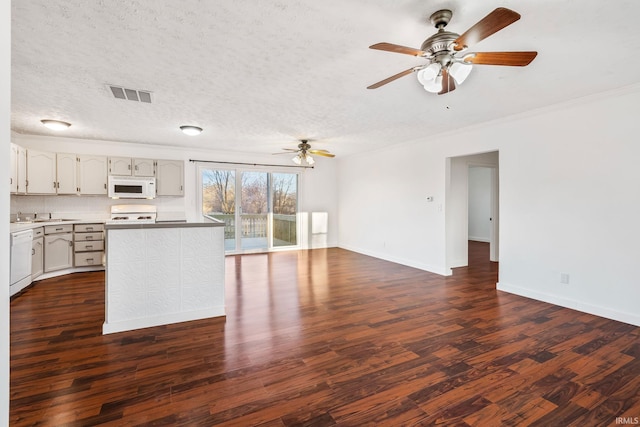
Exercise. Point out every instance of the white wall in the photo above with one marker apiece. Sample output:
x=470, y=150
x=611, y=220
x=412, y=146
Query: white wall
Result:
x=569, y=202
x=479, y=203
x=5, y=117
x=317, y=185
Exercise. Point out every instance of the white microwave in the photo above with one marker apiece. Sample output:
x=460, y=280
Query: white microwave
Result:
x=124, y=187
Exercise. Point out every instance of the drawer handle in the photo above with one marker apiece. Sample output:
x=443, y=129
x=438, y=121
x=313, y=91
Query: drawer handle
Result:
x=89, y=237
x=89, y=260
x=90, y=228
x=59, y=229
x=89, y=246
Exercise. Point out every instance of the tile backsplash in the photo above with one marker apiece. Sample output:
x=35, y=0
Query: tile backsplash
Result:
x=85, y=207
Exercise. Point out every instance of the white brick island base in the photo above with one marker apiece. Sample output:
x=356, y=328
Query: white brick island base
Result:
x=162, y=273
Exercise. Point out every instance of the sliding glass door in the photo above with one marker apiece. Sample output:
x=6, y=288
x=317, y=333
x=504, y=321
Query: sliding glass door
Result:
x=284, y=187
x=263, y=216
x=254, y=211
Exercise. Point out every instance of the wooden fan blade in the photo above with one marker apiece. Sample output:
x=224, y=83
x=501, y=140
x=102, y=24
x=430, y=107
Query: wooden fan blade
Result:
x=324, y=153
x=287, y=151
x=515, y=59
x=390, y=47
x=490, y=24
x=392, y=78
x=448, y=84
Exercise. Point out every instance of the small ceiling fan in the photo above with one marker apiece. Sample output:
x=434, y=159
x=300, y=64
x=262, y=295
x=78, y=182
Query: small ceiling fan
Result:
x=448, y=64
x=304, y=150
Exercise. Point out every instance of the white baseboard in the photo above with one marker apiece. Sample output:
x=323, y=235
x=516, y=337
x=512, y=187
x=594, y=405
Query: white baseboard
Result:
x=409, y=263
x=630, y=318
x=165, y=319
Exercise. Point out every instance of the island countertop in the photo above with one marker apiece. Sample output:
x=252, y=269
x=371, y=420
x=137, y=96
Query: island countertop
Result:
x=161, y=224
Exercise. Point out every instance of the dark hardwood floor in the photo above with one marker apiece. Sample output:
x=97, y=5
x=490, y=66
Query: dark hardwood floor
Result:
x=321, y=338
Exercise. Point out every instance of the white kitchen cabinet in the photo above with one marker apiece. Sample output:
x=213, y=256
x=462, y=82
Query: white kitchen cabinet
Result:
x=37, y=257
x=127, y=166
x=66, y=182
x=170, y=178
x=120, y=166
x=88, y=244
x=92, y=175
x=41, y=172
x=22, y=170
x=13, y=169
x=144, y=167
x=58, y=247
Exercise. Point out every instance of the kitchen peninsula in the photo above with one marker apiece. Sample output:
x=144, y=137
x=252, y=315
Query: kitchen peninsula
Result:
x=160, y=273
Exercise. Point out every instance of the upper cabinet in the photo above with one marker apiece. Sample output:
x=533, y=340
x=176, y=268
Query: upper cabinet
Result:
x=144, y=167
x=41, y=172
x=66, y=182
x=92, y=174
x=18, y=170
x=127, y=166
x=119, y=165
x=170, y=178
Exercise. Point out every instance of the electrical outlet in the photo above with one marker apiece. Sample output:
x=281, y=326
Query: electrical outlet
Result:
x=564, y=278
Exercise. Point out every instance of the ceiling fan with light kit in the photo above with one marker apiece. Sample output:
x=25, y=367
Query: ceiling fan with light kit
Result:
x=449, y=63
x=303, y=153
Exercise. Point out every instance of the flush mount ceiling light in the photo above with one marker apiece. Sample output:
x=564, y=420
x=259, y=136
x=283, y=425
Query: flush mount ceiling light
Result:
x=55, y=124
x=191, y=130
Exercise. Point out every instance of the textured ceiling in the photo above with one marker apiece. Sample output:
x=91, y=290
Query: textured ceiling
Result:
x=257, y=76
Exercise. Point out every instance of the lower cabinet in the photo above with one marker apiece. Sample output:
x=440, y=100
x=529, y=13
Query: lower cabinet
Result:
x=58, y=247
x=88, y=244
x=37, y=257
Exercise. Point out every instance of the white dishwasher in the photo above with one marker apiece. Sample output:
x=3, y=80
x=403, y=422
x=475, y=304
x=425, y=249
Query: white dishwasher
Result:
x=21, y=245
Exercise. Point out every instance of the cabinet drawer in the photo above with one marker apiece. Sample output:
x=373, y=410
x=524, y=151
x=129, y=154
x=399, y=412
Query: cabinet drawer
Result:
x=63, y=228
x=89, y=246
x=82, y=237
x=38, y=232
x=88, y=258
x=88, y=228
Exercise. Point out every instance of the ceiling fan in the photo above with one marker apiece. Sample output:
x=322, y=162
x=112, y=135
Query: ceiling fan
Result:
x=448, y=64
x=304, y=150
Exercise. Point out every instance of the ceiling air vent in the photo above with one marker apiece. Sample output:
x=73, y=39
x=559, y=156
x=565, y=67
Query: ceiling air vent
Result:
x=130, y=94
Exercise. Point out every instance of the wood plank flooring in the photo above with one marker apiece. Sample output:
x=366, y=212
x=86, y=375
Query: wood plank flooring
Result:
x=322, y=338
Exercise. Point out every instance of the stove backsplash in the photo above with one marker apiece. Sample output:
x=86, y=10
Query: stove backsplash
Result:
x=87, y=207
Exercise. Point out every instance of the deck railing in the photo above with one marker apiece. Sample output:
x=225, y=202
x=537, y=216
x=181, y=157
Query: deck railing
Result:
x=256, y=225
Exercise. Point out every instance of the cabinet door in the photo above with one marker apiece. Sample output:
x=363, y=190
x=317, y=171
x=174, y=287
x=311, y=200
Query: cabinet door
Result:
x=58, y=251
x=22, y=170
x=66, y=173
x=120, y=166
x=170, y=178
x=13, y=169
x=144, y=167
x=41, y=172
x=37, y=257
x=92, y=174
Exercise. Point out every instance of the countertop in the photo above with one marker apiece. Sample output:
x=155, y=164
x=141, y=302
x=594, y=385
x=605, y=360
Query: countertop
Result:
x=167, y=224
x=25, y=225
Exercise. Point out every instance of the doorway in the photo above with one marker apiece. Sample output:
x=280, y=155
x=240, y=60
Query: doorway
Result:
x=457, y=216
